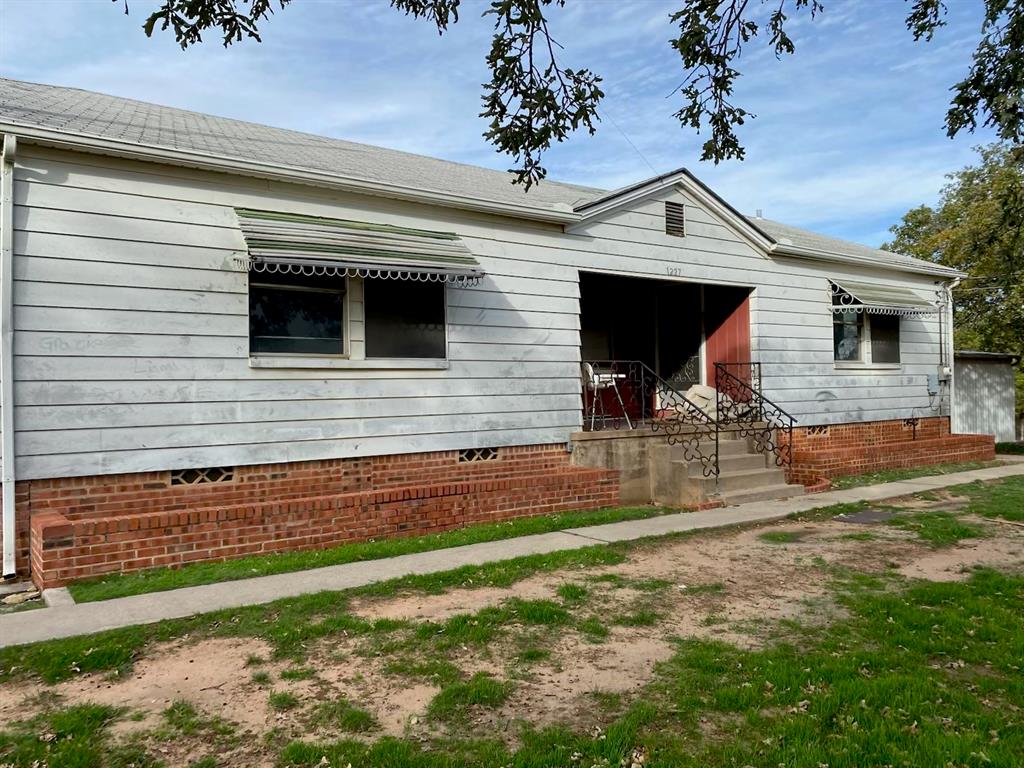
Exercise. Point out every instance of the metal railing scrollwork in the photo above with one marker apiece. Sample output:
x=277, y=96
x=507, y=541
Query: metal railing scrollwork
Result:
x=740, y=402
x=625, y=394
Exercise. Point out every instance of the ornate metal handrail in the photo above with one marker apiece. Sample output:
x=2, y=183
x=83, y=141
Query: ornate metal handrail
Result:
x=739, y=401
x=627, y=393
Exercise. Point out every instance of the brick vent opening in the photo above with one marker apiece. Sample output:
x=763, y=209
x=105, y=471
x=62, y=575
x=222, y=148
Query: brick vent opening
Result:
x=478, y=454
x=197, y=476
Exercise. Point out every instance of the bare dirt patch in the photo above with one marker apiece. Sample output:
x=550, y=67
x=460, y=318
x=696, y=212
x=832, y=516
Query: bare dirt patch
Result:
x=956, y=563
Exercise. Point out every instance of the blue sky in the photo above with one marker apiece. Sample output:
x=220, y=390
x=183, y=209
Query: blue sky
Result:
x=848, y=134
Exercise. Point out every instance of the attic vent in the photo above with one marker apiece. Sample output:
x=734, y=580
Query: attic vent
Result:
x=675, y=219
x=478, y=454
x=205, y=475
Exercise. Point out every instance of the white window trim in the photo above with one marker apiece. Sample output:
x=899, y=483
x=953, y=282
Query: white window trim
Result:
x=354, y=332
x=866, y=363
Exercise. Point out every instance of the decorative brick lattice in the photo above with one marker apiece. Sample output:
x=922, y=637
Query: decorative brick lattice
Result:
x=478, y=454
x=818, y=430
x=196, y=476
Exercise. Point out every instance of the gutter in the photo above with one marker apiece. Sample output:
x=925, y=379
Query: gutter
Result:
x=7, y=458
x=921, y=267
x=48, y=137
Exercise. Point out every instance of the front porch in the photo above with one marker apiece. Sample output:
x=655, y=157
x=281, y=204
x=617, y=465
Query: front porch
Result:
x=670, y=398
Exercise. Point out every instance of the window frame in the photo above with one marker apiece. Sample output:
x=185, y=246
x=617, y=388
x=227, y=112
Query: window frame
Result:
x=346, y=315
x=444, y=322
x=354, y=356
x=866, y=357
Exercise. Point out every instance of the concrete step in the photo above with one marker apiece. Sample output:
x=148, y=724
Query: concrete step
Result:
x=765, y=493
x=742, y=480
x=731, y=463
x=727, y=447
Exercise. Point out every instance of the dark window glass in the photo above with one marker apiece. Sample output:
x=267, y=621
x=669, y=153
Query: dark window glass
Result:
x=404, y=318
x=291, y=314
x=885, y=339
x=847, y=334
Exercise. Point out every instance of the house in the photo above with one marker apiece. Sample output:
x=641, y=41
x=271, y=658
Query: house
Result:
x=221, y=338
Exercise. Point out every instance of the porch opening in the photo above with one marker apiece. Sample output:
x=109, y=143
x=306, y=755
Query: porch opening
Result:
x=676, y=330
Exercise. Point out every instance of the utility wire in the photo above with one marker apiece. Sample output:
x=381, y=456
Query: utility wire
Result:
x=628, y=141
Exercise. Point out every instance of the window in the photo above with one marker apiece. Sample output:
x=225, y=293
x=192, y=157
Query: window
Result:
x=862, y=337
x=296, y=314
x=885, y=338
x=404, y=318
x=848, y=336
x=675, y=219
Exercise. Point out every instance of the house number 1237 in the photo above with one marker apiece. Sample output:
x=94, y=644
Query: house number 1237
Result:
x=674, y=271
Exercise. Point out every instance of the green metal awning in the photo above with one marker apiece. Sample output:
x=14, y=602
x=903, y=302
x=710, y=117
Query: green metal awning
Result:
x=855, y=296
x=316, y=245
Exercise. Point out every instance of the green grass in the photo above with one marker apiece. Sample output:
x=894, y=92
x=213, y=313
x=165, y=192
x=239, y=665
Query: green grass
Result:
x=895, y=475
x=182, y=717
x=342, y=715
x=297, y=673
x=1012, y=448
x=465, y=629
x=453, y=702
x=781, y=537
x=283, y=700
x=160, y=579
x=572, y=593
x=532, y=655
x=435, y=670
x=74, y=737
x=593, y=630
x=939, y=529
x=1004, y=499
x=261, y=678
x=641, y=617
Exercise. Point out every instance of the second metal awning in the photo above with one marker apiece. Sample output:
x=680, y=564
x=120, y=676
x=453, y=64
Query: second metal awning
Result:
x=316, y=245
x=855, y=296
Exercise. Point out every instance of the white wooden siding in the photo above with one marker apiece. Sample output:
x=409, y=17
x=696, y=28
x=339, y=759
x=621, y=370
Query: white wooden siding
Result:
x=132, y=327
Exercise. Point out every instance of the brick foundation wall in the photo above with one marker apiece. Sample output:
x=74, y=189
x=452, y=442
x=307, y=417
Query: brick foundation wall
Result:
x=74, y=528
x=853, y=449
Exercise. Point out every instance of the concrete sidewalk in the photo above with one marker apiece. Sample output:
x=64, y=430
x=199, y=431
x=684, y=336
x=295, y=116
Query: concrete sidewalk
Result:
x=65, y=619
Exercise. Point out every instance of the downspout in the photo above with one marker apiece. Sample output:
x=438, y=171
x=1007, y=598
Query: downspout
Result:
x=7, y=475
x=950, y=351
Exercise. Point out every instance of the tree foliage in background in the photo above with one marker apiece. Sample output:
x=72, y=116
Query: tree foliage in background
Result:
x=976, y=228
x=532, y=100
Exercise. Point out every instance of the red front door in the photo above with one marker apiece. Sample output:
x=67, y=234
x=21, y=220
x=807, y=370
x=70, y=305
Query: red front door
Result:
x=726, y=327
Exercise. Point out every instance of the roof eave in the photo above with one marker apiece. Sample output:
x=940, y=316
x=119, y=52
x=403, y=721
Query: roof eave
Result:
x=150, y=153
x=785, y=249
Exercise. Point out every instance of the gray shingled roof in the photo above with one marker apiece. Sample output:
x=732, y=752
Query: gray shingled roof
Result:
x=802, y=238
x=113, y=118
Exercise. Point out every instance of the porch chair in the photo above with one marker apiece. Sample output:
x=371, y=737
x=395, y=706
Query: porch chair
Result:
x=597, y=382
